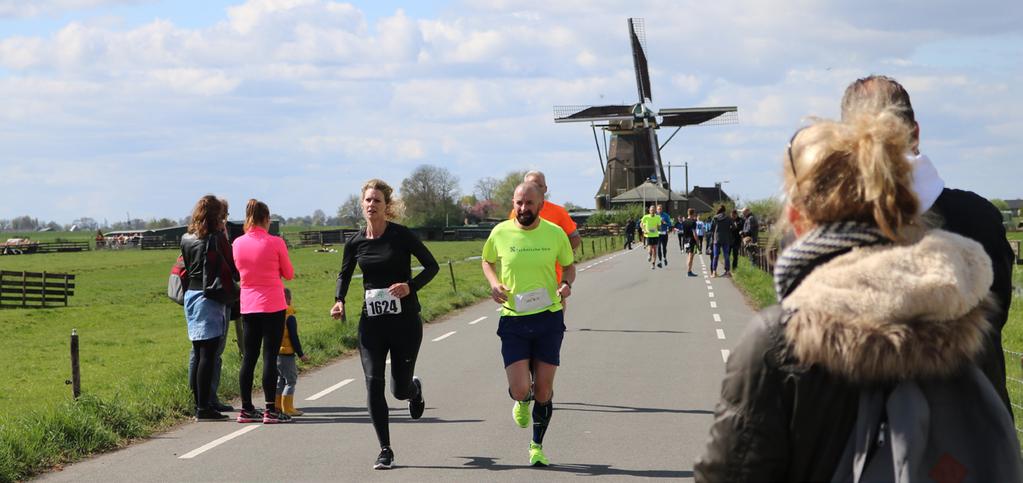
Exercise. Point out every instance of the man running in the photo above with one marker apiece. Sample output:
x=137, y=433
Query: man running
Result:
x=687, y=238
x=651, y=225
x=662, y=238
x=532, y=323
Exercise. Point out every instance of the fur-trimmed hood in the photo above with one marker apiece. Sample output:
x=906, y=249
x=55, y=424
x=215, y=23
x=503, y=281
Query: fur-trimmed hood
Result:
x=887, y=313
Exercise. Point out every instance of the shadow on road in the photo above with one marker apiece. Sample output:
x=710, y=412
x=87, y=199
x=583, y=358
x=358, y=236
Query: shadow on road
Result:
x=579, y=469
x=606, y=408
x=631, y=331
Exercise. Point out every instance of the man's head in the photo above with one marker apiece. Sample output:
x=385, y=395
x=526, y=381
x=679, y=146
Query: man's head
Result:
x=746, y=211
x=538, y=179
x=660, y=209
x=876, y=93
x=651, y=209
x=527, y=202
x=692, y=213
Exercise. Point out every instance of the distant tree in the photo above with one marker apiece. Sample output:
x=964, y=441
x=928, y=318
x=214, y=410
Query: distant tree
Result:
x=484, y=188
x=161, y=223
x=1000, y=204
x=429, y=194
x=766, y=210
x=318, y=218
x=483, y=209
x=24, y=223
x=504, y=190
x=4, y=224
x=569, y=206
x=54, y=226
x=350, y=212
x=85, y=223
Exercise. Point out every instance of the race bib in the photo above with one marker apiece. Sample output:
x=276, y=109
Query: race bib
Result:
x=380, y=302
x=532, y=300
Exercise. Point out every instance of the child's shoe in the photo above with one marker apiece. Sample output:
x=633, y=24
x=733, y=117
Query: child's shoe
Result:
x=289, y=406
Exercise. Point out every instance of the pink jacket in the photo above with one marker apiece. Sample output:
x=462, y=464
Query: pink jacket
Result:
x=262, y=259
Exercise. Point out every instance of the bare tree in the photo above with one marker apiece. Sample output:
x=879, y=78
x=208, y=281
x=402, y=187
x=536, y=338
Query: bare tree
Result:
x=350, y=212
x=484, y=189
x=430, y=194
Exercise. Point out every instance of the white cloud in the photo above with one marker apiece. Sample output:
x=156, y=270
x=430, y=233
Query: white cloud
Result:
x=312, y=91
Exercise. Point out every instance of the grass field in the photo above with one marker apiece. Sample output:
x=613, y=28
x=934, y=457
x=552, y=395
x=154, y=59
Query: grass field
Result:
x=134, y=345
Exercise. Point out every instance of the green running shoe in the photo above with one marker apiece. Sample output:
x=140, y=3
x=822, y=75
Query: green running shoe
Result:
x=520, y=413
x=536, y=456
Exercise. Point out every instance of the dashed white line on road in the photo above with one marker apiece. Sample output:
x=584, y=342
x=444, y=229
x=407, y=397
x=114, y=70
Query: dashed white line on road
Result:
x=217, y=442
x=709, y=287
x=721, y=334
x=498, y=309
x=724, y=355
x=713, y=304
x=710, y=294
x=478, y=320
x=329, y=390
x=717, y=317
x=445, y=336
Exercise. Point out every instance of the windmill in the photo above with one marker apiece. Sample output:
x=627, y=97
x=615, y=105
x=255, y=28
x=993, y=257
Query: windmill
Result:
x=634, y=155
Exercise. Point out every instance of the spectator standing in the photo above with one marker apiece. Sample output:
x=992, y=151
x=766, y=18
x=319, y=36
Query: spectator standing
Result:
x=287, y=369
x=736, y=245
x=720, y=235
x=262, y=261
x=630, y=234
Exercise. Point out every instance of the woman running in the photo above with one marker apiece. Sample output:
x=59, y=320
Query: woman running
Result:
x=390, y=313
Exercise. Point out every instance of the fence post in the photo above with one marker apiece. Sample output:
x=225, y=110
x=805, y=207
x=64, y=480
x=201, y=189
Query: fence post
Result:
x=76, y=377
x=582, y=248
x=593, y=247
x=43, y=296
x=24, y=281
x=451, y=268
x=65, y=289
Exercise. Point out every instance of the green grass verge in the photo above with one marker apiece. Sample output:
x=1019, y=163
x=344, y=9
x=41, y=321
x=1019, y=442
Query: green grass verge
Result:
x=134, y=346
x=756, y=284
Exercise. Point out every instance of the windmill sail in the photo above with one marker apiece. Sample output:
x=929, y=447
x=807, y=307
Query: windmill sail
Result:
x=637, y=32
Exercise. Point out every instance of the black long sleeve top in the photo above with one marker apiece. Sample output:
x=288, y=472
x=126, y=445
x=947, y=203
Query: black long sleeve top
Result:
x=385, y=261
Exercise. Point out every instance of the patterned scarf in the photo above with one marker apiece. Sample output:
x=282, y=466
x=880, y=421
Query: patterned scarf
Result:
x=817, y=247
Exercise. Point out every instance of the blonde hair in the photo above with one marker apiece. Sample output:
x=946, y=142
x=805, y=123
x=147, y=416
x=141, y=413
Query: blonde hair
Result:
x=382, y=186
x=854, y=171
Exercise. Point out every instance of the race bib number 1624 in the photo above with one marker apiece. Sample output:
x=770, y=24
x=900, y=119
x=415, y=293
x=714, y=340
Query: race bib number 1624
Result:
x=381, y=302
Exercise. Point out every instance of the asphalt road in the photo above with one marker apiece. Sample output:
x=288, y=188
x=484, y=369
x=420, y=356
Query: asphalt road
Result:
x=641, y=368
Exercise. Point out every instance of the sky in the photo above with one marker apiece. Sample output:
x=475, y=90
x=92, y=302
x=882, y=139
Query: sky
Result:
x=115, y=108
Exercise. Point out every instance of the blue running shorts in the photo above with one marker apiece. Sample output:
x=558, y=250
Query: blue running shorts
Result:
x=535, y=336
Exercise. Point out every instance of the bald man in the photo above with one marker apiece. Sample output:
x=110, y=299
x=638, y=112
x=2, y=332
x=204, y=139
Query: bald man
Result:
x=532, y=324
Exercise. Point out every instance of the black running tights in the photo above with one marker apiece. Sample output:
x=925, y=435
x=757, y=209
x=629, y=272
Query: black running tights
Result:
x=401, y=336
x=201, y=371
x=264, y=329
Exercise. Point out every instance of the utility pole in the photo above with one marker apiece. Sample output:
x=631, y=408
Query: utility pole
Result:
x=683, y=165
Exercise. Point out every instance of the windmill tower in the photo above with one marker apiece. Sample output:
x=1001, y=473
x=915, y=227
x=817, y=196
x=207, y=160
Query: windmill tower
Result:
x=634, y=155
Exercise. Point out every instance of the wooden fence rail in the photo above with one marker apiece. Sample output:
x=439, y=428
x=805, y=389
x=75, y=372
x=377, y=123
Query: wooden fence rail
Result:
x=35, y=289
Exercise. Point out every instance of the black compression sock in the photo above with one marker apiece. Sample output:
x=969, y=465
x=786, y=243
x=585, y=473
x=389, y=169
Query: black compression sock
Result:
x=541, y=418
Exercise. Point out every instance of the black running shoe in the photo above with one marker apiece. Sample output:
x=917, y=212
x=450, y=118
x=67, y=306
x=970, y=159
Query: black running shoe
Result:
x=224, y=408
x=417, y=405
x=386, y=459
x=209, y=415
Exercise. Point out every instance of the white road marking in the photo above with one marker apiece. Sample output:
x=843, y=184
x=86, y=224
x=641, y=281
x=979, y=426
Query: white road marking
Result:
x=478, y=320
x=445, y=336
x=713, y=304
x=709, y=287
x=498, y=309
x=717, y=317
x=710, y=294
x=724, y=355
x=329, y=390
x=217, y=442
x=721, y=334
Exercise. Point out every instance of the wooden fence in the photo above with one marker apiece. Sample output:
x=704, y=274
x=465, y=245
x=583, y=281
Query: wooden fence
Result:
x=35, y=289
x=27, y=248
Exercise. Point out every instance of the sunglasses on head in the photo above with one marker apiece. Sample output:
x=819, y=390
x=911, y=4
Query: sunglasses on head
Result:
x=792, y=162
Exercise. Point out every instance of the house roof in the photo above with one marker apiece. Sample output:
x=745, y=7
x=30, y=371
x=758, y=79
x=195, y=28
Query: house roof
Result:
x=1014, y=204
x=648, y=192
x=709, y=195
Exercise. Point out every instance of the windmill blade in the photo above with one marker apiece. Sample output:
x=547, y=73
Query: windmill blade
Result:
x=703, y=116
x=592, y=113
x=637, y=37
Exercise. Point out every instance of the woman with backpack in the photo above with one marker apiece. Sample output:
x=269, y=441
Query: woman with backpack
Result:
x=866, y=369
x=210, y=285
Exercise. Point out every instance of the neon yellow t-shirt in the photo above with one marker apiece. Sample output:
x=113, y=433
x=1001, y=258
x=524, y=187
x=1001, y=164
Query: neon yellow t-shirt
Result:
x=651, y=225
x=527, y=260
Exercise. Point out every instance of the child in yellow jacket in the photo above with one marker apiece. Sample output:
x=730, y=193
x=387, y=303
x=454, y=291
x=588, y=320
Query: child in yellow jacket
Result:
x=287, y=369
